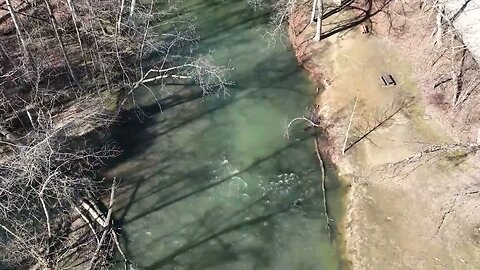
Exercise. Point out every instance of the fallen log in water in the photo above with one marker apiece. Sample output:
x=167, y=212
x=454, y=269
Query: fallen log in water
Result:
x=324, y=190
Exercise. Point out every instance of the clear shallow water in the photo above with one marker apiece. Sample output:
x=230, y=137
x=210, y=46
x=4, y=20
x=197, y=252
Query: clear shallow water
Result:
x=214, y=184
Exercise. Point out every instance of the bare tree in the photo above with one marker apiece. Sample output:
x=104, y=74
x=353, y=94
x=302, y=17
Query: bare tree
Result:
x=440, y=7
x=87, y=58
x=44, y=175
x=379, y=119
x=285, y=11
x=281, y=11
x=461, y=79
x=318, y=10
x=350, y=122
x=19, y=31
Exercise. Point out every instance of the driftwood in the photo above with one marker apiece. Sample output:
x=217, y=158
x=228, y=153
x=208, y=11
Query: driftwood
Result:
x=89, y=223
x=105, y=231
x=106, y=221
x=324, y=189
x=94, y=212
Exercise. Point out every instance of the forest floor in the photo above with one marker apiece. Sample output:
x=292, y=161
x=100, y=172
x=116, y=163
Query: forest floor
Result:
x=411, y=152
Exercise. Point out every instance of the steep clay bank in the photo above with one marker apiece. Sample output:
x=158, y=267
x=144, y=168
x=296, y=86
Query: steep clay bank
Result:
x=414, y=187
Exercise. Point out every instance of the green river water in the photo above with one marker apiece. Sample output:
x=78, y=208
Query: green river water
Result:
x=214, y=183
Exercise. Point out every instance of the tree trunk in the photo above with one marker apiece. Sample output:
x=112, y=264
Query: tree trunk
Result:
x=318, y=31
x=74, y=20
x=119, y=20
x=132, y=9
x=72, y=10
x=117, y=33
x=350, y=124
x=19, y=32
x=60, y=42
x=314, y=8
x=438, y=36
x=456, y=89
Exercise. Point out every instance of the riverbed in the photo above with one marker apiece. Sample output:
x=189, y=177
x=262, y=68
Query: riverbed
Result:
x=213, y=182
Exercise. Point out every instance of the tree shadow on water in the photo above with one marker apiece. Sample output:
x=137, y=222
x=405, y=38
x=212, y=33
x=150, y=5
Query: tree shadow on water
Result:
x=192, y=179
x=134, y=135
x=211, y=243
x=177, y=186
x=220, y=254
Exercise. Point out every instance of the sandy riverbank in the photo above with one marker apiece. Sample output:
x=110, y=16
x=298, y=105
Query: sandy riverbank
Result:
x=414, y=182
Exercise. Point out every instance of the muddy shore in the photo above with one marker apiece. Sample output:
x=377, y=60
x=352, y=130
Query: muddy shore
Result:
x=411, y=159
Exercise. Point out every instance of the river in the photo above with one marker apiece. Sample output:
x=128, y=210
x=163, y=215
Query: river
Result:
x=213, y=183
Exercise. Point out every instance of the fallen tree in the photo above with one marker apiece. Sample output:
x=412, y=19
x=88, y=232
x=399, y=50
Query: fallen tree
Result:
x=429, y=155
x=324, y=187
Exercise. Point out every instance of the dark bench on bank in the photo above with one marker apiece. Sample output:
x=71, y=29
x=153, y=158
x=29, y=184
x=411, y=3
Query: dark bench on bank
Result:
x=388, y=80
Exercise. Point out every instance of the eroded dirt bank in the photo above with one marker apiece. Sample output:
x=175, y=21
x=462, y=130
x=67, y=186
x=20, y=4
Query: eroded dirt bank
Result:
x=411, y=148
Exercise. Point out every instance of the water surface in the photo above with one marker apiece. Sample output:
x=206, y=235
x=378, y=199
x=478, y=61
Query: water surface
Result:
x=213, y=183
